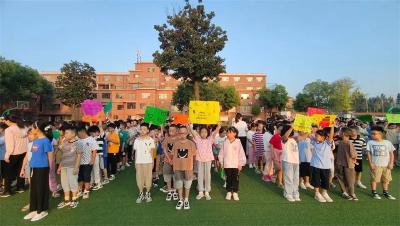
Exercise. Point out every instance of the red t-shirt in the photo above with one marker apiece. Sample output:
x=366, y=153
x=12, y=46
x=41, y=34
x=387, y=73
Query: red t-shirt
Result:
x=276, y=141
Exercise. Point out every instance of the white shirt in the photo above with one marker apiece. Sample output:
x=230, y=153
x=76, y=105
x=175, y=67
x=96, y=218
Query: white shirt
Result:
x=143, y=150
x=86, y=146
x=241, y=126
x=267, y=138
x=290, y=151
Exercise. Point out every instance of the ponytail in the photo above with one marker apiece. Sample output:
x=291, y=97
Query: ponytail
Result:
x=45, y=128
x=237, y=117
x=16, y=119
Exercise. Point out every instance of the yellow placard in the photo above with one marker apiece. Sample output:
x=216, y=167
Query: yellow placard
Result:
x=302, y=123
x=317, y=118
x=204, y=112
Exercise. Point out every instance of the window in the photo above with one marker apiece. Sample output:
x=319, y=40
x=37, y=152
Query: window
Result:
x=119, y=96
x=119, y=87
x=106, y=95
x=150, y=79
x=250, y=79
x=249, y=88
x=120, y=107
x=106, y=78
x=115, y=116
x=244, y=96
x=142, y=105
x=104, y=86
x=131, y=106
x=119, y=78
x=225, y=79
x=151, y=69
x=236, y=79
x=259, y=79
x=132, y=96
x=145, y=95
x=162, y=96
x=136, y=76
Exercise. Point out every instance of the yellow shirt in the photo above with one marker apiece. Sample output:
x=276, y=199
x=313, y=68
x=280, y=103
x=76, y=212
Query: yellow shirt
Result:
x=113, y=143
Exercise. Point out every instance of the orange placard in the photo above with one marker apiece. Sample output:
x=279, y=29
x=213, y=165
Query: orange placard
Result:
x=86, y=118
x=180, y=119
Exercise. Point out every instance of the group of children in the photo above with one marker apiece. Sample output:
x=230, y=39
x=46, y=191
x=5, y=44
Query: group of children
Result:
x=86, y=157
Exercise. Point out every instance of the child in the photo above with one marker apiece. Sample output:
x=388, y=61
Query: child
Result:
x=359, y=145
x=3, y=127
x=204, y=158
x=219, y=141
x=184, y=151
x=232, y=159
x=290, y=162
x=380, y=159
x=25, y=169
x=321, y=164
x=345, y=162
x=123, y=136
x=258, y=146
x=276, y=143
x=69, y=167
x=144, y=146
x=168, y=145
x=94, y=131
x=42, y=156
x=305, y=154
x=87, y=146
x=250, y=146
x=113, y=142
x=268, y=172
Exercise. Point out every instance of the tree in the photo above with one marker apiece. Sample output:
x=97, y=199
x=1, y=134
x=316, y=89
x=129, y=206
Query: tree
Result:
x=359, y=101
x=340, y=100
x=22, y=83
x=276, y=97
x=303, y=101
x=320, y=91
x=75, y=84
x=211, y=91
x=189, y=46
x=255, y=109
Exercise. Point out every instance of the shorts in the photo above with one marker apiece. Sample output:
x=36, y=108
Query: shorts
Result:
x=183, y=178
x=358, y=168
x=167, y=169
x=69, y=181
x=216, y=152
x=320, y=177
x=381, y=174
x=305, y=170
x=85, y=172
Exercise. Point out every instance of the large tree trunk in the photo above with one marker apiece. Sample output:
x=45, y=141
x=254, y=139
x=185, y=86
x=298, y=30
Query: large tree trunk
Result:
x=196, y=87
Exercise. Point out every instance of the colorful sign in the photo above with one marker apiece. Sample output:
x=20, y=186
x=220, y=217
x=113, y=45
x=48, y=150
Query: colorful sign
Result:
x=302, y=123
x=91, y=107
x=393, y=118
x=313, y=111
x=204, y=112
x=155, y=116
x=180, y=119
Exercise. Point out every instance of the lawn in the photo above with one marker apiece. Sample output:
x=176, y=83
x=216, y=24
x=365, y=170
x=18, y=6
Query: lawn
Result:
x=260, y=204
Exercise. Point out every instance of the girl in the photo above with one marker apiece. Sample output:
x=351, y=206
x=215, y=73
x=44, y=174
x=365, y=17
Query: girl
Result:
x=232, y=159
x=204, y=158
x=219, y=141
x=321, y=164
x=305, y=154
x=42, y=158
x=269, y=163
x=290, y=162
x=258, y=146
x=250, y=150
x=241, y=126
x=25, y=170
x=276, y=144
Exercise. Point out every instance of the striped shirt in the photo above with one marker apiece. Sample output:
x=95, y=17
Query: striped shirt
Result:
x=360, y=145
x=258, y=139
x=100, y=143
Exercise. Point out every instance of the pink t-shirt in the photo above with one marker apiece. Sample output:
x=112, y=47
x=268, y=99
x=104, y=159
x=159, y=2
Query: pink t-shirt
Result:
x=204, y=148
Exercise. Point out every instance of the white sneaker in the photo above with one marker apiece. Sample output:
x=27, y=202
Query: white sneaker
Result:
x=97, y=187
x=224, y=186
x=251, y=166
x=319, y=197
x=40, y=216
x=326, y=197
x=140, y=198
x=297, y=199
x=85, y=195
x=179, y=205
x=200, y=196
x=169, y=196
x=310, y=186
x=208, y=197
x=302, y=186
x=148, y=197
x=127, y=165
x=30, y=215
x=175, y=196
x=290, y=199
x=360, y=185
x=235, y=196
x=186, y=205
x=228, y=196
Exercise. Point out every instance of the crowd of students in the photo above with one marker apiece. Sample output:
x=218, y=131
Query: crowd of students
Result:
x=78, y=158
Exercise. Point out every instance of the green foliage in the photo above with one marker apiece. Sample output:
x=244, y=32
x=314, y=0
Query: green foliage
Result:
x=189, y=46
x=359, y=101
x=255, y=109
x=22, y=83
x=276, y=97
x=303, y=101
x=340, y=100
x=76, y=83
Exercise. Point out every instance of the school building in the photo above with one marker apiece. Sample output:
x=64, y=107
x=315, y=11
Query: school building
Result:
x=145, y=85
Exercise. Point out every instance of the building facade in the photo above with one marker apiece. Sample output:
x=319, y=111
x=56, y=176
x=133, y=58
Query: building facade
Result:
x=145, y=85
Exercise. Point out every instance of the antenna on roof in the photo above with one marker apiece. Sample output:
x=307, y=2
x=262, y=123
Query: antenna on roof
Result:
x=138, y=56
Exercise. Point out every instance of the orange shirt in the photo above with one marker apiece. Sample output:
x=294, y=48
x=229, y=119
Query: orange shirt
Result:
x=113, y=143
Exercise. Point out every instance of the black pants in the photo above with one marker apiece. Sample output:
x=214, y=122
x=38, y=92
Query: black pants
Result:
x=39, y=189
x=12, y=170
x=112, y=163
x=129, y=152
x=243, y=140
x=232, y=179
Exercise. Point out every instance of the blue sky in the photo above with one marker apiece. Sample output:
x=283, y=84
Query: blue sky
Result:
x=294, y=42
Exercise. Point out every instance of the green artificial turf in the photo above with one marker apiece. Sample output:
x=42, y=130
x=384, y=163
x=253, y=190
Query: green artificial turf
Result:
x=260, y=204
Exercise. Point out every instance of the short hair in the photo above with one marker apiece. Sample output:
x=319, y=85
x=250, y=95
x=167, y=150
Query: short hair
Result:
x=321, y=132
x=66, y=127
x=378, y=129
x=346, y=131
x=81, y=129
x=111, y=125
x=145, y=125
x=94, y=129
x=232, y=129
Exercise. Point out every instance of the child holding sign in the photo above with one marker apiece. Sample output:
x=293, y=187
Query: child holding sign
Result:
x=168, y=145
x=290, y=162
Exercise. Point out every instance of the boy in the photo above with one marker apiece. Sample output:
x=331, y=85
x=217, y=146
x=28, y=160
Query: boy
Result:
x=112, y=149
x=87, y=146
x=184, y=151
x=345, y=162
x=95, y=132
x=144, y=146
x=360, y=145
x=380, y=159
x=123, y=136
x=168, y=145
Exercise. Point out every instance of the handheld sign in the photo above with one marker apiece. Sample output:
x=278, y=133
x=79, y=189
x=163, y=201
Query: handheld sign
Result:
x=155, y=116
x=313, y=111
x=328, y=121
x=393, y=118
x=365, y=118
x=204, y=112
x=302, y=123
x=180, y=119
x=317, y=118
x=107, y=107
x=91, y=107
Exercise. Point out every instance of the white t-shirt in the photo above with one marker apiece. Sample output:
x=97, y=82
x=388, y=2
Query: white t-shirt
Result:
x=241, y=126
x=143, y=150
x=380, y=151
x=290, y=151
x=86, y=146
x=267, y=138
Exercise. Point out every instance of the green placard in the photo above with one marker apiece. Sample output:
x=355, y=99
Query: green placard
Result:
x=365, y=118
x=107, y=107
x=393, y=118
x=155, y=116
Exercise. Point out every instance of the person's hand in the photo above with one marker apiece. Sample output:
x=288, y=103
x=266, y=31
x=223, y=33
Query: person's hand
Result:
x=22, y=173
x=373, y=166
x=75, y=171
x=91, y=162
x=240, y=168
x=7, y=159
x=390, y=166
x=59, y=171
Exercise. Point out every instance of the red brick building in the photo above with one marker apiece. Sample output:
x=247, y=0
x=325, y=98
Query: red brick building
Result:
x=146, y=85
